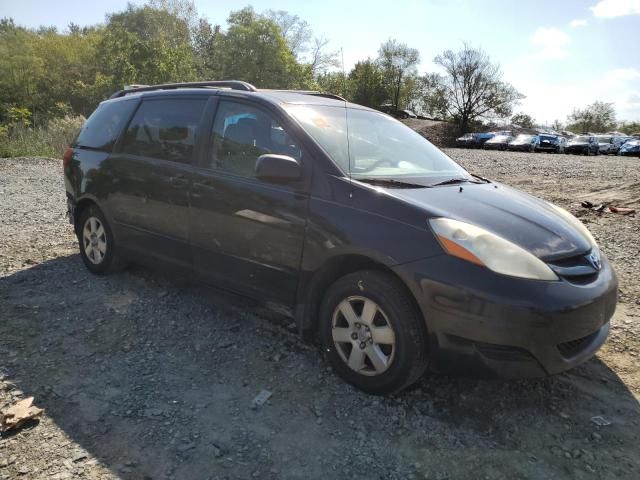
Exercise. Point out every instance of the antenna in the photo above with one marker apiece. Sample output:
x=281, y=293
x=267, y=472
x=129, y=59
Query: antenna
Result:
x=344, y=75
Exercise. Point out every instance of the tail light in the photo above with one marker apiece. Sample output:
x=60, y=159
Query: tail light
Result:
x=66, y=158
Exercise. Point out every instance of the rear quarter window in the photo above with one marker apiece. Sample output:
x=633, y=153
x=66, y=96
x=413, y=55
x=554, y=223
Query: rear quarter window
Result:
x=164, y=129
x=102, y=128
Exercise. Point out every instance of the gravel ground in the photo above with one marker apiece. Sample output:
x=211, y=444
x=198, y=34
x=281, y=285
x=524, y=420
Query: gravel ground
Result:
x=144, y=376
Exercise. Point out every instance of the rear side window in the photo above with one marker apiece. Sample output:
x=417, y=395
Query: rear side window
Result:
x=102, y=128
x=164, y=129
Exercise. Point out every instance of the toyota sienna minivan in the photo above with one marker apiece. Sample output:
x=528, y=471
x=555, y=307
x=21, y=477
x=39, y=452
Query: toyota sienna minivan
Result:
x=384, y=250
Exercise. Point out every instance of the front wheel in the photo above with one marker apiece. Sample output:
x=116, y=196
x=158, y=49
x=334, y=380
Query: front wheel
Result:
x=373, y=334
x=97, y=244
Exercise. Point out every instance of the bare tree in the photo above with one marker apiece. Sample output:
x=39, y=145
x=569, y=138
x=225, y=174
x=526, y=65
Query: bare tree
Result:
x=398, y=62
x=295, y=31
x=473, y=86
x=319, y=59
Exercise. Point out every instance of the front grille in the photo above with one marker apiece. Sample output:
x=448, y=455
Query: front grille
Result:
x=574, y=347
x=578, y=268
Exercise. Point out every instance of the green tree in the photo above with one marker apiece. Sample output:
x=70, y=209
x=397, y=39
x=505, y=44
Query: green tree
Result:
x=629, y=127
x=334, y=82
x=597, y=117
x=254, y=50
x=473, y=87
x=146, y=45
x=21, y=69
x=523, y=120
x=367, y=84
x=398, y=62
x=427, y=96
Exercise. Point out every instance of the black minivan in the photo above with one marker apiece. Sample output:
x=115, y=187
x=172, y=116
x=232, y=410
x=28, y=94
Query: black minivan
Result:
x=380, y=246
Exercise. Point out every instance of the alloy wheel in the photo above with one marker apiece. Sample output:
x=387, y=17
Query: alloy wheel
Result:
x=363, y=336
x=94, y=240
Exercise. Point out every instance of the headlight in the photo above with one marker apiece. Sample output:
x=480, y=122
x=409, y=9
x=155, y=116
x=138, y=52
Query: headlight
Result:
x=575, y=223
x=482, y=247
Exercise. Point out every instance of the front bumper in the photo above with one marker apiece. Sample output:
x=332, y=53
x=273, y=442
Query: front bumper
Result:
x=629, y=153
x=576, y=149
x=487, y=324
x=547, y=147
x=520, y=148
x=495, y=146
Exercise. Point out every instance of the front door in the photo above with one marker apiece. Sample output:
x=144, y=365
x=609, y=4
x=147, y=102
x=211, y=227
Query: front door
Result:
x=247, y=234
x=152, y=168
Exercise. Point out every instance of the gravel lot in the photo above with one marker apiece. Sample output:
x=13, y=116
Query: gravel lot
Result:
x=145, y=376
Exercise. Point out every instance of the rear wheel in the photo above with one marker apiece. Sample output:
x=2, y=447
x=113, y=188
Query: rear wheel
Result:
x=374, y=336
x=97, y=245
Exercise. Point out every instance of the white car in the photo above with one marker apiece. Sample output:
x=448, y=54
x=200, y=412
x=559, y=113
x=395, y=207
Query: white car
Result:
x=605, y=144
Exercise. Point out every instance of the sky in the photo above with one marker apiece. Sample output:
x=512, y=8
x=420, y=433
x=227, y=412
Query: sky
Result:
x=561, y=54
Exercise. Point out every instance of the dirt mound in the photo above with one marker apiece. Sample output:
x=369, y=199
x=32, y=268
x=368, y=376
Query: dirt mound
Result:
x=441, y=134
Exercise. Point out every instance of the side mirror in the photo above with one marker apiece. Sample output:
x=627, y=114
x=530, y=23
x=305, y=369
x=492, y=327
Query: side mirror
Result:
x=277, y=168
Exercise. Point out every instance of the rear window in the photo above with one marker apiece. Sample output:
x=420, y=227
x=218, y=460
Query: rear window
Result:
x=102, y=128
x=164, y=129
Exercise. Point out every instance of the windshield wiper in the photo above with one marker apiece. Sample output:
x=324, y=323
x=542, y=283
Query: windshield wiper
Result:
x=389, y=182
x=485, y=180
x=453, y=181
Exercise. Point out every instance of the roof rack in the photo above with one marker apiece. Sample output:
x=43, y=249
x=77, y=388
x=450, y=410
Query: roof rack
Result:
x=232, y=84
x=315, y=93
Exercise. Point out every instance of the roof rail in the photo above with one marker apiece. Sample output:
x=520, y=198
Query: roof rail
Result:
x=315, y=93
x=232, y=84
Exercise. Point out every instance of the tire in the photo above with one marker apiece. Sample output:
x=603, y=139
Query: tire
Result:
x=97, y=245
x=397, y=365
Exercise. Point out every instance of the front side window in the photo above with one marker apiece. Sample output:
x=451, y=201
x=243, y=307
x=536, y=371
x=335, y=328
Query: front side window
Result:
x=241, y=133
x=164, y=129
x=370, y=144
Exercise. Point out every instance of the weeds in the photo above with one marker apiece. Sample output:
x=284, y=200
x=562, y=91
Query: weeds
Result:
x=18, y=140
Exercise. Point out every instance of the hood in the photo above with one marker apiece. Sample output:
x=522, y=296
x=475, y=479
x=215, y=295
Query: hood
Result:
x=516, y=216
x=580, y=143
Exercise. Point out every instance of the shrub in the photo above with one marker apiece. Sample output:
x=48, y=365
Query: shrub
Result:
x=19, y=140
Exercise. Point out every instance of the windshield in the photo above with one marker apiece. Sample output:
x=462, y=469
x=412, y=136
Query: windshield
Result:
x=547, y=137
x=378, y=146
x=523, y=138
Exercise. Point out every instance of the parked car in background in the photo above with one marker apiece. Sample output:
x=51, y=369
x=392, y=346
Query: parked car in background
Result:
x=499, y=142
x=524, y=143
x=583, y=144
x=474, y=140
x=395, y=112
x=548, y=143
x=289, y=197
x=468, y=140
x=630, y=148
x=605, y=144
x=484, y=137
x=618, y=141
x=562, y=143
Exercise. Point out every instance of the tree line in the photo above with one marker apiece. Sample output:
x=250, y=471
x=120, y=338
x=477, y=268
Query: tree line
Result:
x=47, y=74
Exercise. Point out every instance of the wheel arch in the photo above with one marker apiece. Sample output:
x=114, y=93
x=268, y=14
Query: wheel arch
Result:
x=82, y=204
x=314, y=290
